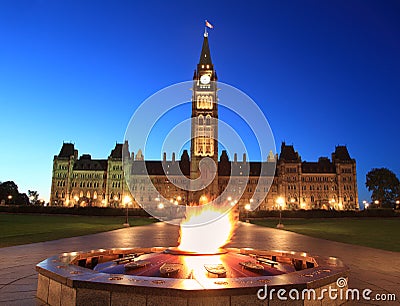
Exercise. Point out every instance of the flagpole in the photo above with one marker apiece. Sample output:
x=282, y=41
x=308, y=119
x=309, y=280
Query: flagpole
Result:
x=205, y=29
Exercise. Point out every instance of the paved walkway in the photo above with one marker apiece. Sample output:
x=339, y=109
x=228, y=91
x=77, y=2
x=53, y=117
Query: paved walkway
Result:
x=370, y=268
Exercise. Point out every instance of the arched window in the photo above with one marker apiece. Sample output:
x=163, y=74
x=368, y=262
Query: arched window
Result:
x=81, y=194
x=208, y=120
x=88, y=194
x=201, y=120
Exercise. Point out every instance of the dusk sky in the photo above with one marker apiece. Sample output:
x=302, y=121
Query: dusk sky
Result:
x=324, y=73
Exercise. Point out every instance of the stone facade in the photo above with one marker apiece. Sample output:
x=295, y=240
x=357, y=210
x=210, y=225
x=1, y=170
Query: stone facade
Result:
x=296, y=184
x=325, y=184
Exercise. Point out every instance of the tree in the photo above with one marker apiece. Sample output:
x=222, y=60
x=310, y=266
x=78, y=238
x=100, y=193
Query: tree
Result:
x=33, y=197
x=385, y=186
x=8, y=192
x=10, y=195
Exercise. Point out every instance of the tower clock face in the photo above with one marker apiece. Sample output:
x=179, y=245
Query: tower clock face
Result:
x=205, y=79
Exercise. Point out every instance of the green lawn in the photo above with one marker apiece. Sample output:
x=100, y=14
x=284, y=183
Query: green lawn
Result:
x=377, y=233
x=18, y=229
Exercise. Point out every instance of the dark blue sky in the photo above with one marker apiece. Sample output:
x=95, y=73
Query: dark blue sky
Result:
x=323, y=72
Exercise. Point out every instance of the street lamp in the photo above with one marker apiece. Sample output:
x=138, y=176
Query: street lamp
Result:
x=127, y=201
x=281, y=202
x=247, y=208
x=9, y=199
x=376, y=202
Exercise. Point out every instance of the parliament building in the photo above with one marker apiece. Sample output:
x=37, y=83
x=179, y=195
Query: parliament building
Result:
x=329, y=183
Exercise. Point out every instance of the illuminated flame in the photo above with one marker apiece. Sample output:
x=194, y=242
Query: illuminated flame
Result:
x=196, y=265
x=206, y=229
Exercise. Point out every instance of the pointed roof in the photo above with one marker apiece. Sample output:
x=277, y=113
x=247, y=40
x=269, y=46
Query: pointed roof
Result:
x=288, y=154
x=67, y=150
x=117, y=151
x=205, y=56
x=341, y=153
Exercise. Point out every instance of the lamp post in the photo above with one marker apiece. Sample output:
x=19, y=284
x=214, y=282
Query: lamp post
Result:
x=127, y=201
x=280, y=202
x=247, y=208
x=9, y=199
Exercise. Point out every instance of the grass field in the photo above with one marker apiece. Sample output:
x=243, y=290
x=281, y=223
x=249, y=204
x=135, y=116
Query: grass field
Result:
x=18, y=229
x=380, y=233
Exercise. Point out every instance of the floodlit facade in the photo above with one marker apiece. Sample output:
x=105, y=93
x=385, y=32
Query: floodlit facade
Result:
x=329, y=183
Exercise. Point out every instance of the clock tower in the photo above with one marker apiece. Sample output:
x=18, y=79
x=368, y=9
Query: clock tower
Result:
x=204, y=133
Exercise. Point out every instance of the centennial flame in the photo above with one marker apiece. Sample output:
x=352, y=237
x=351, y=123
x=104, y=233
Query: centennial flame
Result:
x=206, y=229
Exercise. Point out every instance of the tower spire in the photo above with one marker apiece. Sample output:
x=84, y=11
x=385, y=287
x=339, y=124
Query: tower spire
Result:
x=205, y=56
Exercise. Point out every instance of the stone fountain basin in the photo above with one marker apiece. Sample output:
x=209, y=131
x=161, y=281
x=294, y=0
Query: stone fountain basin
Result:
x=62, y=281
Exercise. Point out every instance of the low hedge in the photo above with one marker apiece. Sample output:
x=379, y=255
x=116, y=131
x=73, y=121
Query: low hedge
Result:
x=85, y=211
x=319, y=213
x=108, y=211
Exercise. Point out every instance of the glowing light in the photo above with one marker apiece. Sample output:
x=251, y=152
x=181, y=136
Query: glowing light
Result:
x=76, y=198
x=196, y=265
x=280, y=201
x=203, y=200
x=179, y=198
x=206, y=229
x=247, y=207
x=160, y=206
x=127, y=199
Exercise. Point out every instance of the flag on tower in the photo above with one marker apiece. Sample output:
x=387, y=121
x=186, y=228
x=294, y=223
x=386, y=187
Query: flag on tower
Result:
x=209, y=25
